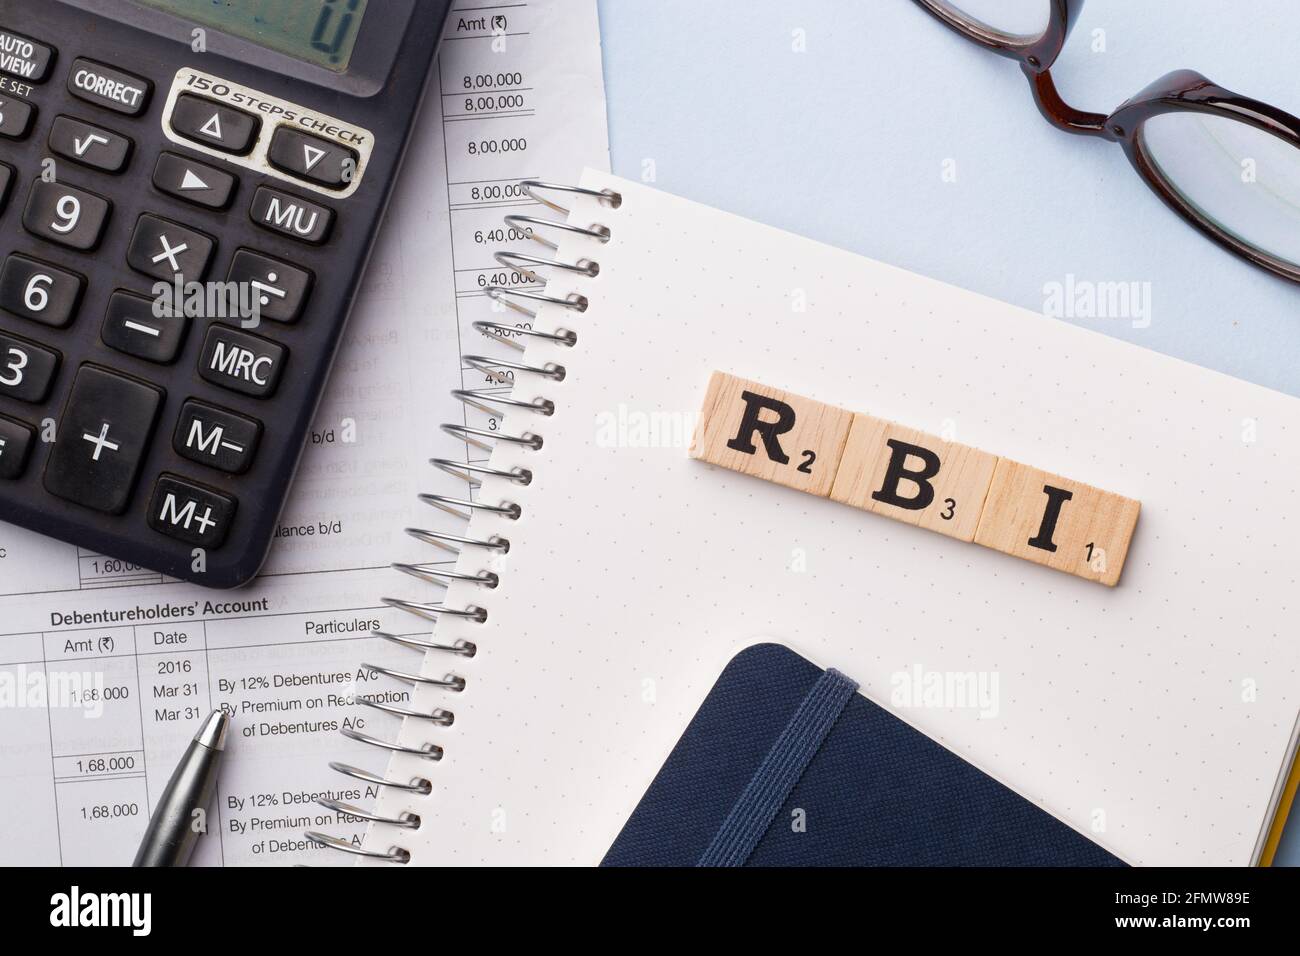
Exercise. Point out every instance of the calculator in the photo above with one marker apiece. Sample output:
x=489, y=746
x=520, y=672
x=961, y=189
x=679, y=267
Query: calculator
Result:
x=189, y=193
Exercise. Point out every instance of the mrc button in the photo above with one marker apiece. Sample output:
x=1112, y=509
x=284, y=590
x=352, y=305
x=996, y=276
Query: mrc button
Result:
x=191, y=513
x=24, y=58
x=248, y=364
x=112, y=89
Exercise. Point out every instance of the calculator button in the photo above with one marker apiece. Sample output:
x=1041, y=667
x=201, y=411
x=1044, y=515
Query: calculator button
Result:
x=133, y=327
x=191, y=513
x=26, y=369
x=112, y=89
x=194, y=182
x=103, y=436
x=241, y=362
x=312, y=158
x=15, y=117
x=164, y=249
x=215, y=437
x=281, y=289
x=64, y=214
x=15, y=444
x=39, y=291
x=6, y=180
x=24, y=58
x=209, y=123
x=89, y=145
x=290, y=216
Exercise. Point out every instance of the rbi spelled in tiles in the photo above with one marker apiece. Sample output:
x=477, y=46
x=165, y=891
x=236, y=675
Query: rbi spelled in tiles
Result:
x=771, y=434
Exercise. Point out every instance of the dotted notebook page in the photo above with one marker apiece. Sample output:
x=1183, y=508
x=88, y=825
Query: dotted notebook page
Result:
x=1154, y=717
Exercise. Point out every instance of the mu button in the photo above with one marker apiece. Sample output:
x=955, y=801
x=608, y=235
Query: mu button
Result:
x=291, y=216
x=241, y=362
x=191, y=513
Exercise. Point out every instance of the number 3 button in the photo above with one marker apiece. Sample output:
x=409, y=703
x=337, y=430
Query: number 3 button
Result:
x=26, y=370
x=64, y=214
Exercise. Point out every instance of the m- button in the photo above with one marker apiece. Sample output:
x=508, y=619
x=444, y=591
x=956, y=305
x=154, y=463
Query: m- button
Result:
x=102, y=438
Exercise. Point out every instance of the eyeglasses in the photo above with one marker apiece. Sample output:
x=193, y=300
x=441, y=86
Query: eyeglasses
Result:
x=1227, y=164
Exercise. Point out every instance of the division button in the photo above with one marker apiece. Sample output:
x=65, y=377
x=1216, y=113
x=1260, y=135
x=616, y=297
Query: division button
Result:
x=281, y=289
x=194, y=182
x=191, y=513
x=102, y=439
x=221, y=127
x=107, y=87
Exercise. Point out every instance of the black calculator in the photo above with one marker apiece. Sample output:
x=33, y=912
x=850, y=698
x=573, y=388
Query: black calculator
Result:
x=189, y=193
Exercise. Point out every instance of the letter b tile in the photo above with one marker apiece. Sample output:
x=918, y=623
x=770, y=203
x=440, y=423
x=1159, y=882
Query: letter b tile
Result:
x=771, y=434
x=910, y=476
x=1063, y=524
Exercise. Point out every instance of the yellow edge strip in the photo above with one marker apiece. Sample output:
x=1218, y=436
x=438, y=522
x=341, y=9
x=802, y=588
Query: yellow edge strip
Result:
x=1283, y=809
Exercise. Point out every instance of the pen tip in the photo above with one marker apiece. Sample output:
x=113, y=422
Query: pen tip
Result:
x=213, y=732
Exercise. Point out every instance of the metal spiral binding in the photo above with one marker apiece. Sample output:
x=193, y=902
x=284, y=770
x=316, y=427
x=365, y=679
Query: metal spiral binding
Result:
x=464, y=508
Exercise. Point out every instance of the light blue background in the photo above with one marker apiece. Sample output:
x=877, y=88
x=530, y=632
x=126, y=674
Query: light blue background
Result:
x=846, y=143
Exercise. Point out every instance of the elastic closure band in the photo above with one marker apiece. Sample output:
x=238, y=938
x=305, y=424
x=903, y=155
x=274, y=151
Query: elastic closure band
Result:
x=780, y=770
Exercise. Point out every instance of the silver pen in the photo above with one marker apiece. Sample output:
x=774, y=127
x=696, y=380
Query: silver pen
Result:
x=181, y=814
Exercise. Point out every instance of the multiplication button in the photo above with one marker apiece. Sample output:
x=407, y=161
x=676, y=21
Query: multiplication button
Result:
x=191, y=513
x=165, y=249
x=102, y=439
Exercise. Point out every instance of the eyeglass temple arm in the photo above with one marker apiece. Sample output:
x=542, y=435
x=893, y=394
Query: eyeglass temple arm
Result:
x=1059, y=113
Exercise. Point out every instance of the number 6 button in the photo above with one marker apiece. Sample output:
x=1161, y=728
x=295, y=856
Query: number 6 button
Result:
x=64, y=214
x=38, y=291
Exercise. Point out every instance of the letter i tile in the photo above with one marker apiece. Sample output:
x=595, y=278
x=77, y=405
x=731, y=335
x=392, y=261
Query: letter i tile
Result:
x=1063, y=524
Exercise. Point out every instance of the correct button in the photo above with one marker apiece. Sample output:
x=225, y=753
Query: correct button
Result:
x=112, y=89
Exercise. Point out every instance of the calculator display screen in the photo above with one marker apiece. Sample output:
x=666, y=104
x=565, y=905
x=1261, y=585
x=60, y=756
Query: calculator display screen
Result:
x=323, y=32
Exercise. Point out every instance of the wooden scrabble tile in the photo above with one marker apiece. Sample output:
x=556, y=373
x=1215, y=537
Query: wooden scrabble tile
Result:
x=908, y=475
x=1063, y=524
x=771, y=434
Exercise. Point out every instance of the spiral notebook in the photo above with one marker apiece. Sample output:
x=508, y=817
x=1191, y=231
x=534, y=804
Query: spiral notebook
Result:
x=606, y=578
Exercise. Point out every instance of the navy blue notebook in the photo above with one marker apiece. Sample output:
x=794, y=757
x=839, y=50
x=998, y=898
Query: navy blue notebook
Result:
x=787, y=765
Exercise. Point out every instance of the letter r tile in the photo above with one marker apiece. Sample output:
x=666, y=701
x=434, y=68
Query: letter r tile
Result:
x=1063, y=524
x=771, y=434
x=910, y=476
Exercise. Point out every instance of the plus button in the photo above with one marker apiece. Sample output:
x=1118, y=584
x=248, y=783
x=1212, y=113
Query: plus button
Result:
x=100, y=442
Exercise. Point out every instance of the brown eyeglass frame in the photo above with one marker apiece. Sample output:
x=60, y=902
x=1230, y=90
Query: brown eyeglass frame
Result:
x=1180, y=91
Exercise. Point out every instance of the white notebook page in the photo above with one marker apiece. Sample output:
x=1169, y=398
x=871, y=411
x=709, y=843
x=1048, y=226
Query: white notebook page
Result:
x=1154, y=717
